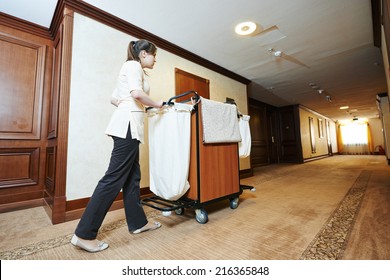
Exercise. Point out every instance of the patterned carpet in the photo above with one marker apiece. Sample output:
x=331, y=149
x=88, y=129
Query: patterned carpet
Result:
x=328, y=244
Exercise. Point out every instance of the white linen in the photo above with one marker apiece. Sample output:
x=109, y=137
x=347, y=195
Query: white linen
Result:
x=220, y=122
x=169, y=150
x=244, y=147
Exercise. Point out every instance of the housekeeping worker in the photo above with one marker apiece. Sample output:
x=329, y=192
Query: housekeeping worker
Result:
x=127, y=131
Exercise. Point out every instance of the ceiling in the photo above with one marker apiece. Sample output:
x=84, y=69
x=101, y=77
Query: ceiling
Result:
x=328, y=58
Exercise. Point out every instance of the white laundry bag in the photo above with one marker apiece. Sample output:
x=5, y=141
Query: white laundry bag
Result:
x=169, y=150
x=244, y=147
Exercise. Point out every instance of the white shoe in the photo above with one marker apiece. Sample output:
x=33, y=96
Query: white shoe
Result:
x=148, y=227
x=92, y=249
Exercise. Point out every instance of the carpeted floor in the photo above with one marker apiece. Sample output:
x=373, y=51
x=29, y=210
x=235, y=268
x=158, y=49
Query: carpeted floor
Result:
x=334, y=208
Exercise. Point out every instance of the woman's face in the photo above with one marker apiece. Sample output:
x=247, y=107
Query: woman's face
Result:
x=147, y=59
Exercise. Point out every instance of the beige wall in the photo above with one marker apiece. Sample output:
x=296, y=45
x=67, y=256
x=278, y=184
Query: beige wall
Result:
x=321, y=143
x=385, y=110
x=376, y=132
x=98, y=54
x=385, y=115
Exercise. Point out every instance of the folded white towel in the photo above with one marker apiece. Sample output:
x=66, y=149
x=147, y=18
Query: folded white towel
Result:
x=220, y=122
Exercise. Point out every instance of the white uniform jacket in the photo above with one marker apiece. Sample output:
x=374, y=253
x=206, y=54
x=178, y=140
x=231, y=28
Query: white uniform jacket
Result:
x=129, y=110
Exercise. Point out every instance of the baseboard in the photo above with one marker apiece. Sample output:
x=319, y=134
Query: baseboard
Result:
x=315, y=158
x=15, y=206
x=75, y=208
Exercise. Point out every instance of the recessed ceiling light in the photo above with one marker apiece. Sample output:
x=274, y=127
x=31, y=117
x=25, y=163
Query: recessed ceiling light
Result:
x=344, y=107
x=246, y=28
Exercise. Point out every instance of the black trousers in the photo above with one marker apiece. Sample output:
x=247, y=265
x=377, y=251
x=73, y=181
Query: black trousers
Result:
x=123, y=173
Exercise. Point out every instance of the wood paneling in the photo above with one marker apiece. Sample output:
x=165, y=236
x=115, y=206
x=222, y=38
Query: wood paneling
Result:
x=55, y=91
x=25, y=79
x=58, y=122
x=25, y=26
x=21, y=78
x=19, y=167
x=50, y=170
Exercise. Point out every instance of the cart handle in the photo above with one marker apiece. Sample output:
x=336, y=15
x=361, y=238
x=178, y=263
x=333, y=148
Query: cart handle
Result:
x=170, y=102
x=184, y=94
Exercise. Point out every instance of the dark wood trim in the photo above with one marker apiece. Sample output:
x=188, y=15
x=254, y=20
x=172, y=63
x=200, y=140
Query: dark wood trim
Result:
x=376, y=22
x=15, y=206
x=59, y=199
x=25, y=26
x=57, y=18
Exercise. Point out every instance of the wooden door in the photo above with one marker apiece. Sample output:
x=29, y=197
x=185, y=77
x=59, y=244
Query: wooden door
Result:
x=185, y=81
x=259, y=135
x=290, y=137
x=272, y=136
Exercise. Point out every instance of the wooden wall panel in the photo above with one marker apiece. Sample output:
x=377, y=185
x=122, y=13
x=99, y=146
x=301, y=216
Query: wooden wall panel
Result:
x=25, y=79
x=50, y=170
x=21, y=79
x=53, y=115
x=19, y=167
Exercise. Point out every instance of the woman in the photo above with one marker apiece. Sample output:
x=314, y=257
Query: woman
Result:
x=126, y=129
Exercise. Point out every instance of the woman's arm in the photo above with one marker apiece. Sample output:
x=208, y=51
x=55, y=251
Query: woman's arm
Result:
x=143, y=98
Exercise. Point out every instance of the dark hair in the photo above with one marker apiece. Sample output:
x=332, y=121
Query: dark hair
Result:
x=135, y=47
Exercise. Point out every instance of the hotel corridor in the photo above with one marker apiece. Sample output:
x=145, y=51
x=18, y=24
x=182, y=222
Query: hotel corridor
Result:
x=333, y=208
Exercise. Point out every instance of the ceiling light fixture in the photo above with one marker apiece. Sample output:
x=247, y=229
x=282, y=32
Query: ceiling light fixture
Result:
x=246, y=28
x=344, y=107
x=278, y=53
x=275, y=53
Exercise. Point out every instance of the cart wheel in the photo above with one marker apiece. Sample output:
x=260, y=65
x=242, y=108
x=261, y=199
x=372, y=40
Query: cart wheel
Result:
x=179, y=211
x=234, y=203
x=201, y=216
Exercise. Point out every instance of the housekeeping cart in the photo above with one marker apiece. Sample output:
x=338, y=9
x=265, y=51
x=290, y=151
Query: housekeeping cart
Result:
x=213, y=172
